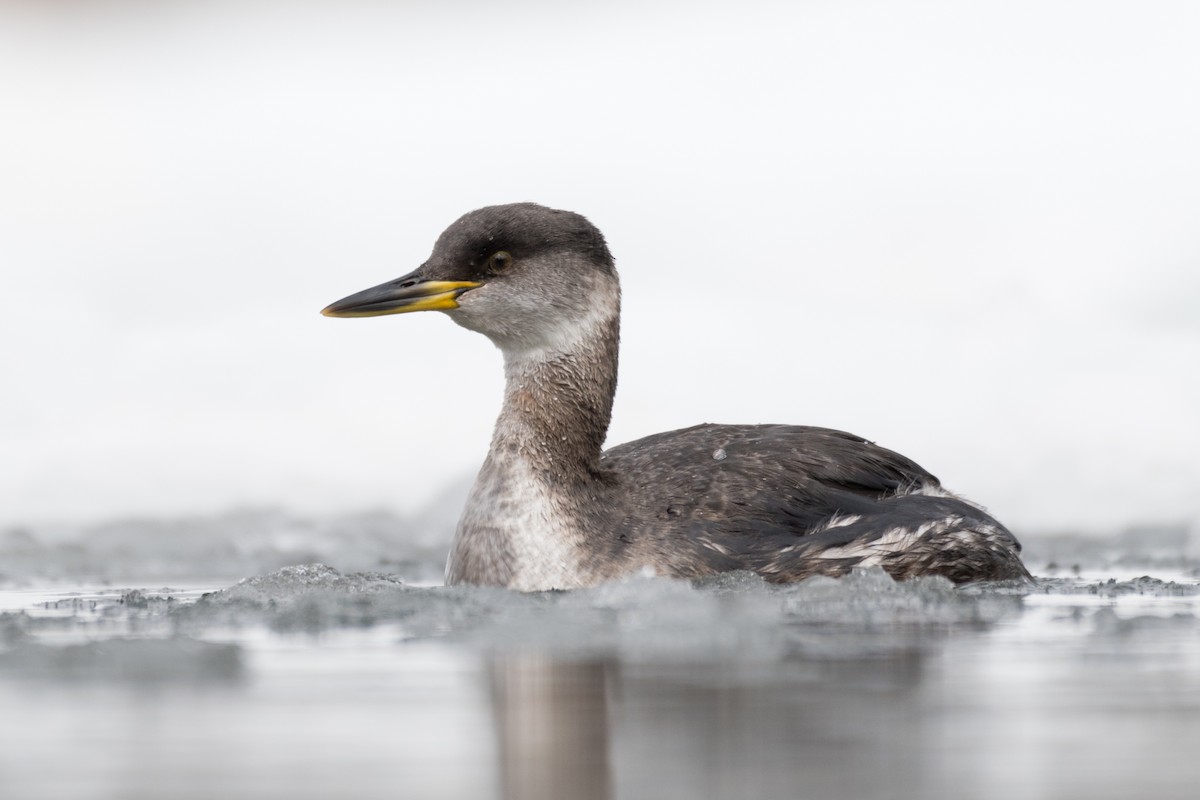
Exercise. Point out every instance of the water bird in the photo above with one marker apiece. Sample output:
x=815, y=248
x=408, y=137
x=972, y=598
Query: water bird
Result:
x=551, y=509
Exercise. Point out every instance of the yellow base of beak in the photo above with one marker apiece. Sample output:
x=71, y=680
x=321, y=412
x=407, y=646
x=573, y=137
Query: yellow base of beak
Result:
x=392, y=299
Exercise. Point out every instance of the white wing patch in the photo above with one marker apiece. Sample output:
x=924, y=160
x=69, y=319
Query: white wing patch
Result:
x=894, y=540
x=931, y=490
x=838, y=521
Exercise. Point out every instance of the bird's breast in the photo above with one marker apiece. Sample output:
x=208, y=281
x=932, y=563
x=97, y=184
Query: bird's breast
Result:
x=531, y=538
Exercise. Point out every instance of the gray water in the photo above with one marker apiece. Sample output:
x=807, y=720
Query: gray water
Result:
x=307, y=681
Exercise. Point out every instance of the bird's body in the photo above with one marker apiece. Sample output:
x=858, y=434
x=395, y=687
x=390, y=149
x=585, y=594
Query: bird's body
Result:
x=551, y=510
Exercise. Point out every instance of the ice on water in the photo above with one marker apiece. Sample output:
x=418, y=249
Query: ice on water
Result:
x=641, y=618
x=265, y=649
x=382, y=578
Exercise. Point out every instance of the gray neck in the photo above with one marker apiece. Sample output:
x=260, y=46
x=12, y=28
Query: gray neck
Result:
x=557, y=405
x=523, y=523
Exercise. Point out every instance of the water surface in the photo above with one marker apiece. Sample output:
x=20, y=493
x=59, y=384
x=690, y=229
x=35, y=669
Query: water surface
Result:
x=309, y=682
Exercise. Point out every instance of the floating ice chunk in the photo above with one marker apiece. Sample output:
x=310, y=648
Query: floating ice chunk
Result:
x=871, y=598
x=304, y=579
x=316, y=597
x=1112, y=587
x=736, y=581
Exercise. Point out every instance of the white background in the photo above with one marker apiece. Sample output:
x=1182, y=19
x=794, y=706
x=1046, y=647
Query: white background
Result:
x=968, y=231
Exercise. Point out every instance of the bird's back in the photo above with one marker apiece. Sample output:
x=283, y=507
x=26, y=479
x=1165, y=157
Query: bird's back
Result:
x=791, y=501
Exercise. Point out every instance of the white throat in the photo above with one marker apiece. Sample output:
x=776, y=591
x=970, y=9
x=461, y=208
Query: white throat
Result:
x=523, y=508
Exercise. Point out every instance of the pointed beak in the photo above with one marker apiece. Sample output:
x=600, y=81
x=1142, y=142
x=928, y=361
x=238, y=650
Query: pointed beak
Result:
x=410, y=293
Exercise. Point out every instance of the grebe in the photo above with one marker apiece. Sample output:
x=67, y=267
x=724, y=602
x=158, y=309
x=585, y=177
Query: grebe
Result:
x=551, y=510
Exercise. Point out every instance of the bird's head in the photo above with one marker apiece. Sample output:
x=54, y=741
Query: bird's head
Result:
x=524, y=275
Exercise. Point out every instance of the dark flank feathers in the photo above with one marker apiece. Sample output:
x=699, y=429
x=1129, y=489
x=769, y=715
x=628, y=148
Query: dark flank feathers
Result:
x=722, y=497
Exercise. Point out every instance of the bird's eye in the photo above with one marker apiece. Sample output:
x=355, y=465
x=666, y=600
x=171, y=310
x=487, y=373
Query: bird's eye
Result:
x=499, y=261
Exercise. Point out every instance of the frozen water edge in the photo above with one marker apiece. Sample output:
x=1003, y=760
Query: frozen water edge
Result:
x=733, y=616
x=642, y=618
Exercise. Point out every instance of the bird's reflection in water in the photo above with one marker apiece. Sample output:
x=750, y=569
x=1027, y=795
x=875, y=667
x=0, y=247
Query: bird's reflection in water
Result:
x=577, y=729
x=552, y=723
